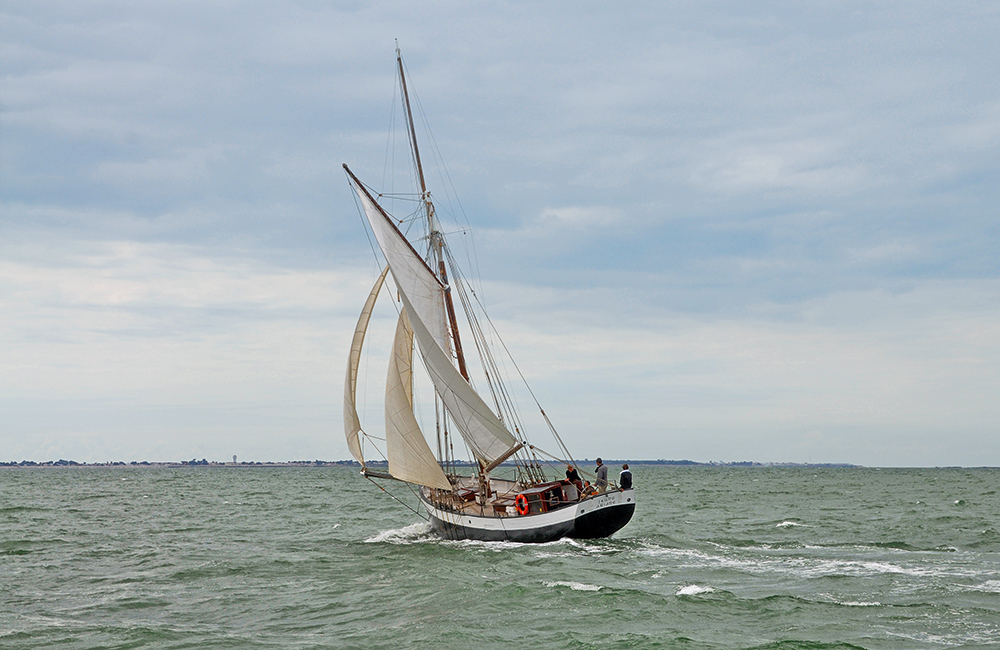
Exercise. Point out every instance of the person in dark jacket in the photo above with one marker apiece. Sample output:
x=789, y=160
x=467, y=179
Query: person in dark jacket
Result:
x=625, y=478
x=574, y=477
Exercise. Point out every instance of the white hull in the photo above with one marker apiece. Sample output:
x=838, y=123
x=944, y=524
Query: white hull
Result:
x=597, y=516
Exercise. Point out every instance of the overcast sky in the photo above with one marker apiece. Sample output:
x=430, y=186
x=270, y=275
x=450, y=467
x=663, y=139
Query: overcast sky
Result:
x=713, y=231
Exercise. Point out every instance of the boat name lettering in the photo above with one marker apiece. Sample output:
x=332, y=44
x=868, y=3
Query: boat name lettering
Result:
x=605, y=501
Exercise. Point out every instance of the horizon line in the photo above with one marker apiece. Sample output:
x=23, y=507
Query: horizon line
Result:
x=353, y=463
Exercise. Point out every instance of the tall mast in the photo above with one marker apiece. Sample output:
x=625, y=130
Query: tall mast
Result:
x=436, y=240
x=413, y=145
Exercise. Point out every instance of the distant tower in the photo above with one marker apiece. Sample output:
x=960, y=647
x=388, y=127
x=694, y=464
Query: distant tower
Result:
x=234, y=459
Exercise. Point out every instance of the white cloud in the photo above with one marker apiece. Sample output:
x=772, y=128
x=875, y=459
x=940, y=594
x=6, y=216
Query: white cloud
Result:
x=166, y=325
x=779, y=162
x=864, y=367
x=189, y=166
x=896, y=251
x=581, y=216
x=979, y=131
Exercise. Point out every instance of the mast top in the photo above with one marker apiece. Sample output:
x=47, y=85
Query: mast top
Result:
x=409, y=124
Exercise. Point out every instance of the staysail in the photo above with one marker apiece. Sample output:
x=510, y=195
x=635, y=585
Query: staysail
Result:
x=423, y=297
x=486, y=436
x=352, y=424
x=410, y=459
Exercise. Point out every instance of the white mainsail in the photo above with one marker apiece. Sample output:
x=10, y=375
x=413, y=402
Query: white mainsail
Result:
x=352, y=424
x=410, y=459
x=423, y=297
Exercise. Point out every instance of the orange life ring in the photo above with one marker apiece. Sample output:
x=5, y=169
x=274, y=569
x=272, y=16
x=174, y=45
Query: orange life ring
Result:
x=521, y=503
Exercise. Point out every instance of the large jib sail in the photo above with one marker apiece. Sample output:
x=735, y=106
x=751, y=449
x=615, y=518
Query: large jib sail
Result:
x=422, y=294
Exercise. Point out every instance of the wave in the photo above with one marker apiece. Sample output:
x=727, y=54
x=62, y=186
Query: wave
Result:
x=991, y=586
x=751, y=544
x=801, y=566
x=575, y=586
x=793, y=644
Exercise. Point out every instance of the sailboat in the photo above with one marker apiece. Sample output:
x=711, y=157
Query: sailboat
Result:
x=506, y=490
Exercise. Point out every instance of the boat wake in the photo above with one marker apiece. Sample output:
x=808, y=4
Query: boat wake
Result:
x=423, y=533
x=412, y=534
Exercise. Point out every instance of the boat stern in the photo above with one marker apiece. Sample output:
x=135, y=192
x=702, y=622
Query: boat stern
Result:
x=604, y=514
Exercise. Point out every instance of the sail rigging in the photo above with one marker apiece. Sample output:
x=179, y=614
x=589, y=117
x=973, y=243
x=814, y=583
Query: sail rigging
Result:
x=528, y=506
x=423, y=288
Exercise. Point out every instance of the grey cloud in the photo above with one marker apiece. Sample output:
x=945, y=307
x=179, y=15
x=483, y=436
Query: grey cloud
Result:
x=663, y=161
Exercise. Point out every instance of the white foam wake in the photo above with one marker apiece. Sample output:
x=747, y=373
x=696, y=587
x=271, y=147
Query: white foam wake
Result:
x=411, y=534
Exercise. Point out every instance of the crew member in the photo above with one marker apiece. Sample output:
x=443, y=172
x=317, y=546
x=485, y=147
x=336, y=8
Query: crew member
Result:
x=602, y=476
x=574, y=477
x=625, y=478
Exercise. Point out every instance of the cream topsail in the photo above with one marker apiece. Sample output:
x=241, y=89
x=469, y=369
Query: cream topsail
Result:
x=352, y=424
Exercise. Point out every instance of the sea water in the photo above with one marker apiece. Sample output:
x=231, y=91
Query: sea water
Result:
x=783, y=558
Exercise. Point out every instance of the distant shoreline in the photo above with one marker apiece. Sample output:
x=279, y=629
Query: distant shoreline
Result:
x=351, y=463
x=192, y=464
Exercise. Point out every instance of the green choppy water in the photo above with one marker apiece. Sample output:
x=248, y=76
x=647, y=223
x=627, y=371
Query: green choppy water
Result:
x=319, y=558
